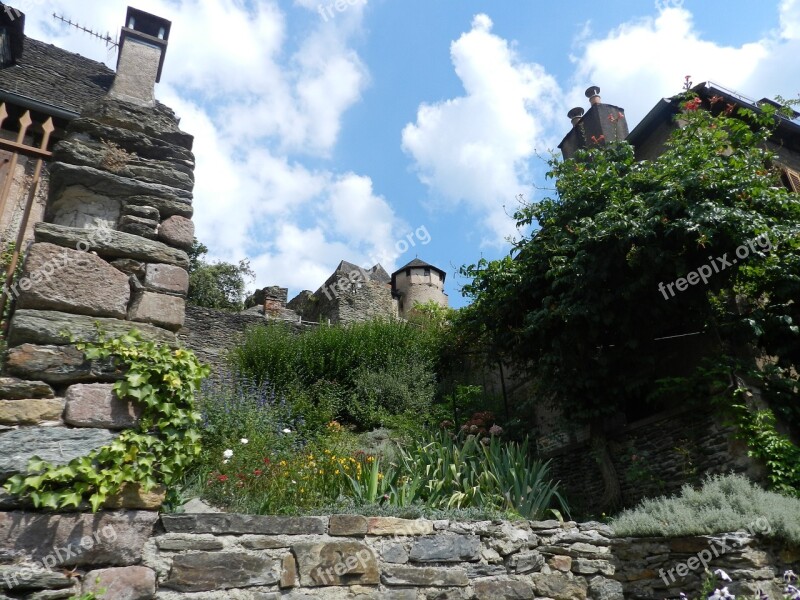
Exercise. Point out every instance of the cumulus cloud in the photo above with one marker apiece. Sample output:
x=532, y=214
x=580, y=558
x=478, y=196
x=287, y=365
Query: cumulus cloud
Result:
x=475, y=149
x=258, y=101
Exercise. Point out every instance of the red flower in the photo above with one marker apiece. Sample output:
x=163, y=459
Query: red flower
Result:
x=257, y=472
x=693, y=104
x=266, y=461
x=716, y=98
x=730, y=108
x=621, y=116
x=222, y=478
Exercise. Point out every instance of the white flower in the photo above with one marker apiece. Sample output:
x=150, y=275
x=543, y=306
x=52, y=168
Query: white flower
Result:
x=227, y=454
x=244, y=440
x=722, y=575
x=287, y=430
x=225, y=462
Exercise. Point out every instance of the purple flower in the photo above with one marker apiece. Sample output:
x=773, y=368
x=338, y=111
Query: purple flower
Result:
x=722, y=575
x=496, y=430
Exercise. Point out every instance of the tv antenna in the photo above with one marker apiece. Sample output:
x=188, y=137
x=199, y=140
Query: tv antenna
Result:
x=109, y=41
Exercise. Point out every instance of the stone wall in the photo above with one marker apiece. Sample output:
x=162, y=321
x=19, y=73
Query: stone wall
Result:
x=218, y=556
x=654, y=456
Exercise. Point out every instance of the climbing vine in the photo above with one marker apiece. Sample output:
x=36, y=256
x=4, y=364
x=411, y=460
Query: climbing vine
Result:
x=163, y=381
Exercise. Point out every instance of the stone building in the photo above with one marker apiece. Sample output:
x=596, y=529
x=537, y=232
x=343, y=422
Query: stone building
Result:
x=418, y=283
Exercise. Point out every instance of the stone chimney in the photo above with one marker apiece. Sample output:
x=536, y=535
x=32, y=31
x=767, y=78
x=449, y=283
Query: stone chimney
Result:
x=12, y=34
x=142, y=48
x=600, y=124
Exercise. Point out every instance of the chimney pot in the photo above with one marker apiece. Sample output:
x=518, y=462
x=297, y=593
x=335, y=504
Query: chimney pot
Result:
x=593, y=94
x=575, y=115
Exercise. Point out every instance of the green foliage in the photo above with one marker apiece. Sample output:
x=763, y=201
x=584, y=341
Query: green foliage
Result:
x=218, y=285
x=368, y=373
x=723, y=504
x=6, y=254
x=578, y=297
x=163, y=381
x=98, y=595
x=445, y=473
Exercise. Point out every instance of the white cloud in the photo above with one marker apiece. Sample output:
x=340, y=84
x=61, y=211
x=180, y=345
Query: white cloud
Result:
x=475, y=149
x=255, y=100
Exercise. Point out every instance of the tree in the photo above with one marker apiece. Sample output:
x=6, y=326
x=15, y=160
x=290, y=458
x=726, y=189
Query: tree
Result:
x=585, y=296
x=218, y=285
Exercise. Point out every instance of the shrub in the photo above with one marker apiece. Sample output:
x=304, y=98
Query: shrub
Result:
x=722, y=504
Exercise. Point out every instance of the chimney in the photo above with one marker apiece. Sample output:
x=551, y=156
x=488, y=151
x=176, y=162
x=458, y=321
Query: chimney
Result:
x=12, y=34
x=142, y=48
x=601, y=124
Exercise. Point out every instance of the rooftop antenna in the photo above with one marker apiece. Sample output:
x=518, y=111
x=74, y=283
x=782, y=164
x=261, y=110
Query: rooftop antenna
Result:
x=110, y=42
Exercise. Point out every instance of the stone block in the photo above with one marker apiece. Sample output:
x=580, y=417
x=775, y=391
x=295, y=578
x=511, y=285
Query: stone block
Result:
x=177, y=231
x=394, y=526
x=24, y=577
x=425, y=576
x=236, y=524
x=446, y=548
x=133, y=497
x=394, y=553
x=143, y=212
x=138, y=226
x=347, y=525
x=112, y=244
x=560, y=563
x=601, y=588
x=336, y=563
x=502, y=588
x=180, y=542
x=526, y=562
x=79, y=539
x=166, y=278
x=158, y=309
x=166, y=207
x=72, y=281
x=202, y=571
x=12, y=388
x=560, y=586
x=122, y=583
x=588, y=566
x=58, y=365
x=57, y=445
x=30, y=411
x=96, y=405
x=288, y=572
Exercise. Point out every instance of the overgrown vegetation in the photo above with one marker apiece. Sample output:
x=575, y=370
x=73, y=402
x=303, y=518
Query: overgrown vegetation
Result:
x=722, y=504
x=218, y=284
x=163, y=382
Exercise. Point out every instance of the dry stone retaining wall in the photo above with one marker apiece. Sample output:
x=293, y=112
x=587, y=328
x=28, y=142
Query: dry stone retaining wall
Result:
x=216, y=556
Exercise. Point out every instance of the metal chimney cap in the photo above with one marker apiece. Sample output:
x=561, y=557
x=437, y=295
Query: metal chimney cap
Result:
x=576, y=112
x=592, y=91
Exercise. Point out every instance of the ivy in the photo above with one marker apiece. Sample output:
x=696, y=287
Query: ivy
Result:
x=163, y=381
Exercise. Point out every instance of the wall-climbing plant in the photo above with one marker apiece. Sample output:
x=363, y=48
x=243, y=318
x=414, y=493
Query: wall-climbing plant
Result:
x=163, y=381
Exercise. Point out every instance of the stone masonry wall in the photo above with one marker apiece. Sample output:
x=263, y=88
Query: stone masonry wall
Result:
x=652, y=457
x=216, y=556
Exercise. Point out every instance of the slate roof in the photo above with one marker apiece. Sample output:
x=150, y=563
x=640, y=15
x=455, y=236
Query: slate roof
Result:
x=418, y=263
x=56, y=77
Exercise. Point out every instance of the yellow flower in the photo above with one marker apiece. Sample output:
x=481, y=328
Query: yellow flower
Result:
x=321, y=472
x=336, y=472
x=282, y=463
x=370, y=459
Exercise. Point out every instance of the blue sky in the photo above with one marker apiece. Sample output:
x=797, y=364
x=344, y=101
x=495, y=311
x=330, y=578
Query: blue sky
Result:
x=324, y=135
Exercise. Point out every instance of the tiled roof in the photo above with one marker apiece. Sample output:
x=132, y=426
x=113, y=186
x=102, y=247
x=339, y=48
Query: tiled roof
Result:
x=56, y=77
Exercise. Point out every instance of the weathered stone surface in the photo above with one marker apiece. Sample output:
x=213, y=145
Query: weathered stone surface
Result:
x=446, y=548
x=158, y=309
x=503, y=589
x=58, y=445
x=122, y=583
x=96, y=405
x=601, y=588
x=336, y=563
x=113, y=244
x=560, y=563
x=129, y=266
x=394, y=526
x=166, y=207
x=560, y=586
x=166, y=278
x=510, y=539
x=425, y=576
x=394, y=553
x=587, y=566
x=73, y=281
x=480, y=570
x=52, y=328
x=288, y=572
x=347, y=525
x=16, y=578
x=145, y=212
x=179, y=542
x=263, y=542
x=133, y=497
x=177, y=231
x=57, y=364
x=12, y=388
x=526, y=562
x=138, y=226
x=30, y=412
x=235, y=524
x=203, y=571
x=79, y=539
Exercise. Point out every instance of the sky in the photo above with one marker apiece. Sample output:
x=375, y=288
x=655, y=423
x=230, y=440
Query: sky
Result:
x=385, y=130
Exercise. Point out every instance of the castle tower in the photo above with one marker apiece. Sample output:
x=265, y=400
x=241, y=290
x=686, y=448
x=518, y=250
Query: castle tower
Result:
x=418, y=283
